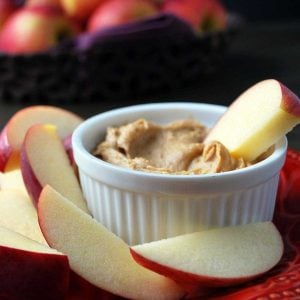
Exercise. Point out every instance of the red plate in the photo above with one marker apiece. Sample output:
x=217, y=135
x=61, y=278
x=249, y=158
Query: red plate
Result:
x=282, y=282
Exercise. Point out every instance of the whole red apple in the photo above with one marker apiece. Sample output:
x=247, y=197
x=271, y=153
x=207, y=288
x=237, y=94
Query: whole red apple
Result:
x=117, y=12
x=35, y=29
x=80, y=9
x=202, y=15
x=7, y=7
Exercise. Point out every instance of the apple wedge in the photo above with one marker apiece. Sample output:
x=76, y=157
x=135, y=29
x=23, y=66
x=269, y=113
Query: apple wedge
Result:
x=12, y=135
x=215, y=257
x=30, y=270
x=96, y=254
x=17, y=213
x=45, y=161
x=257, y=119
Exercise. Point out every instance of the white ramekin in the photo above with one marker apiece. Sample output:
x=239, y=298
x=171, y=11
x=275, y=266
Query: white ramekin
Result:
x=141, y=207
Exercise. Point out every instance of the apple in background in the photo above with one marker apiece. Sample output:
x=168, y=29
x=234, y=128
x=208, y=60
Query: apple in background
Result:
x=44, y=161
x=215, y=257
x=202, y=15
x=157, y=3
x=18, y=213
x=7, y=7
x=34, y=29
x=118, y=12
x=96, y=254
x=257, y=119
x=12, y=135
x=30, y=270
x=80, y=9
x=53, y=3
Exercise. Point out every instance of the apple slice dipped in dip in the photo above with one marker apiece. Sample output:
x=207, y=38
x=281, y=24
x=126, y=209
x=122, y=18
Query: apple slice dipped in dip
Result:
x=257, y=119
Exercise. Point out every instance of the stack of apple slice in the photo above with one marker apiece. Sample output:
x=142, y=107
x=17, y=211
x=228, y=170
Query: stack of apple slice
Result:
x=30, y=269
x=37, y=142
x=215, y=257
x=97, y=254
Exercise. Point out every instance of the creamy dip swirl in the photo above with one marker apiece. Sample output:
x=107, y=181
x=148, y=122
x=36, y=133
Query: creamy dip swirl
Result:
x=176, y=148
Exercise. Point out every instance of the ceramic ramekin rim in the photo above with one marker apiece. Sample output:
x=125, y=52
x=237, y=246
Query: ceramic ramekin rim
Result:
x=165, y=183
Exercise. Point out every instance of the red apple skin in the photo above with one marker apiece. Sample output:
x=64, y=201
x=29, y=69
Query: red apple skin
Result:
x=118, y=12
x=202, y=15
x=80, y=9
x=9, y=159
x=6, y=9
x=69, y=149
x=190, y=282
x=35, y=29
x=31, y=275
x=53, y=3
x=5, y=149
x=80, y=289
x=33, y=186
x=290, y=101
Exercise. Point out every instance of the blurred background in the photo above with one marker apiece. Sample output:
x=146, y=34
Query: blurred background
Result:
x=266, y=10
x=264, y=44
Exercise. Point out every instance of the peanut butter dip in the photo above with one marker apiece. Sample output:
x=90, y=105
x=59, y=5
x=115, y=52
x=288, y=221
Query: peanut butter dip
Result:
x=176, y=148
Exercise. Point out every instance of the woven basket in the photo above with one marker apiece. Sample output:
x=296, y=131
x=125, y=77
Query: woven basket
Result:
x=145, y=58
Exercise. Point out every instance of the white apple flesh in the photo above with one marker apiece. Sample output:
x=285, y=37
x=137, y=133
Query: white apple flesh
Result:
x=12, y=180
x=45, y=161
x=97, y=254
x=215, y=257
x=19, y=214
x=30, y=270
x=257, y=119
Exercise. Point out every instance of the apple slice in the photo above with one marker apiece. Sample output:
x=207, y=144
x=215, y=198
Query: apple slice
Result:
x=45, y=161
x=19, y=214
x=30, y=270
x=12, y=180
x=12, y=135
x=97, y=254
x=257, y=119
x=215, y=257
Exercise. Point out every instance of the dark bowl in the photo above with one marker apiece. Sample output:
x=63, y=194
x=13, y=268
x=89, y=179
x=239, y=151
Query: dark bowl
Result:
x=128, y=62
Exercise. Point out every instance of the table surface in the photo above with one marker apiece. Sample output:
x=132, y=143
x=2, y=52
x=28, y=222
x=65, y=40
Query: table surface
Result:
x=259, y=51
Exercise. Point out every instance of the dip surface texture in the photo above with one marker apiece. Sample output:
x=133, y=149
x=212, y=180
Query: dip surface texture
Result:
x=176, y=148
